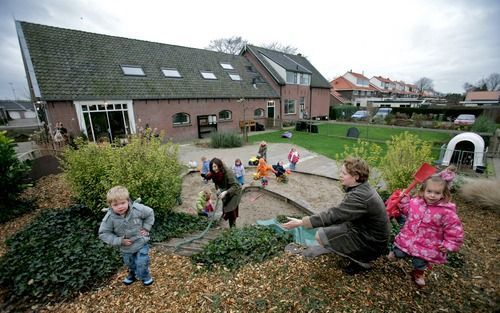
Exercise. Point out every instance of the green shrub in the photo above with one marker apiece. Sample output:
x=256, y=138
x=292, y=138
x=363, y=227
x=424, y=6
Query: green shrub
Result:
x=405, y=154
x=341, y=112
x=239, y=246
x=13, y=172
x=13, y=179
x=55, y=256
x=484, y=124
x=149, y=169
x=225, y=140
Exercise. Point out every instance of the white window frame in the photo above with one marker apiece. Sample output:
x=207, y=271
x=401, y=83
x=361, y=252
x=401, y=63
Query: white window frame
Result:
x=132, y=70
x=226, y=66
x=235, y=76
x=288, y=103
x=171, y=73
x=208, y=75
x=81, y=120
x=226, y=119
x=188, y=122
x=261, y=111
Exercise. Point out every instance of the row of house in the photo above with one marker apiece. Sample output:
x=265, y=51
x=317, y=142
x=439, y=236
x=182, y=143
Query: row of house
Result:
x=357, y=89
x=107, y=87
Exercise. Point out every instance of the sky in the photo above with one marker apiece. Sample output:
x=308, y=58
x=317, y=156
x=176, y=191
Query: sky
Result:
x=448, y=41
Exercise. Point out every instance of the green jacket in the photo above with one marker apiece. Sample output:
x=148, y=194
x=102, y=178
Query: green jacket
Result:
x=358, y=227
x=233, y=188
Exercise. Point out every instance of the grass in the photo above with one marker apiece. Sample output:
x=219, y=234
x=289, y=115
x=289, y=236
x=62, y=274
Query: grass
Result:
x=331, y=138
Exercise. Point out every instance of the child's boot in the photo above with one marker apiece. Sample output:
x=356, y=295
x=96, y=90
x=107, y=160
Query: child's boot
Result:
x=391, y=256
x=418, y=277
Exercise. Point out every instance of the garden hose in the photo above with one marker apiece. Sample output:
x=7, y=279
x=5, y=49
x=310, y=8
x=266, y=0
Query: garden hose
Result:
x=215, y=216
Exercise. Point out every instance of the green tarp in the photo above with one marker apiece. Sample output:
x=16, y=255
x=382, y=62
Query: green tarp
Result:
x=305, y=237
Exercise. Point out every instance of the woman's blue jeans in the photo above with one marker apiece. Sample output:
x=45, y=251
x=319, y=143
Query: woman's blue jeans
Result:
x=138, y=263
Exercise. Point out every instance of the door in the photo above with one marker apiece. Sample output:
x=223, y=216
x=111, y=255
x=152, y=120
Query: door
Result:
x=270, y=113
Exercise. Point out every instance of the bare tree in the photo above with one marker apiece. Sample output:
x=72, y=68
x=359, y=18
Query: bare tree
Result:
x=424, y=83
x=280, y=47
x=232, y=45
x=490, y=83
x=469, y=87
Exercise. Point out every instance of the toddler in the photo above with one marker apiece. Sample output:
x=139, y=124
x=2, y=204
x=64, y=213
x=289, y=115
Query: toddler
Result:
x=205, y=168
x=239, y=171
x=431, y=229
x=127, y=225
x=204, y=202
x=263, y=172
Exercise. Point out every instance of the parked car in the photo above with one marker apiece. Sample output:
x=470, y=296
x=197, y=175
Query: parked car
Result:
x=360, y=115
x=465, y=119
x=382, y=112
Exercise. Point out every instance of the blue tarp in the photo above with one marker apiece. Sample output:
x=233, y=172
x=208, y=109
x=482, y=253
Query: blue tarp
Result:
x=301, y=235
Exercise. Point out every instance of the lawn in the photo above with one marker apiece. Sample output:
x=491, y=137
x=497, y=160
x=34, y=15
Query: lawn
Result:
x=331, y=138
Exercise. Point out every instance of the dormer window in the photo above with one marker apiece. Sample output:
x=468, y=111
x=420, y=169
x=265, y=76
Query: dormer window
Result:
x=171, y=73
x=132, y=70
x=226, y=66
x=235, y=76
x=208, y=75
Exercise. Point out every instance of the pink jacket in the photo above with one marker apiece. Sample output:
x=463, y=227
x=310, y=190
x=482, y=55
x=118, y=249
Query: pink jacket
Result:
x=429, y=228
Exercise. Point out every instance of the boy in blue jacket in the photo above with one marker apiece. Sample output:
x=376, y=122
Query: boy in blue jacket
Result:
x=127, y=226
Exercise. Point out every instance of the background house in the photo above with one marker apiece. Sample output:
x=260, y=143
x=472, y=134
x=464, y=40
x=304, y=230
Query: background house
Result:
x=107, y=87
x=304, y=92
x=482, y=98
x=17, y=112
x=354, y=87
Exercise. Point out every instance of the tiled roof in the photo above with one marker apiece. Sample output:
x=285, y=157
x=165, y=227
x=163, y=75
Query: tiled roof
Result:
x=341, y=83
x=483, y=95
x=358, y=75
x=338, y=96
x=290, y=62
x=385, y=80
x=380, y=89
x=77, y=65
x=16, y=105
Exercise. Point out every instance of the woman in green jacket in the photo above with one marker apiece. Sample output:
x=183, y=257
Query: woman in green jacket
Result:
x=358, y=228
x=228, y=189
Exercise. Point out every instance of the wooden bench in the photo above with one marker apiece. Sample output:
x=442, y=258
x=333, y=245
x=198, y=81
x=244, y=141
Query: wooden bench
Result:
x=247, y=123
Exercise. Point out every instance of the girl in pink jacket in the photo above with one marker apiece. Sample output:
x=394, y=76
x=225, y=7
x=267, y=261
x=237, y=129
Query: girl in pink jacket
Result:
x=432, y=228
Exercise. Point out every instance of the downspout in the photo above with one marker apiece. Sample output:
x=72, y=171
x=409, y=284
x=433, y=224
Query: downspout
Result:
x=310, y=102
x=281, y=106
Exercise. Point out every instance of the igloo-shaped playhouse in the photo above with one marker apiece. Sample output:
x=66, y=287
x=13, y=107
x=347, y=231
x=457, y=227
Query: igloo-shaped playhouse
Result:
x=470, y=139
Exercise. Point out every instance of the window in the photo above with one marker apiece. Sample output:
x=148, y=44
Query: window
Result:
x=258, y=113
x=225, y=115
x=235, y=76
x=132, y=70
x=171, y=72
x=305, y=79
x=226, y=66
x=181, y=119
x=355, y=92
x=291, y=77
x=208, y=75
x=289, y=106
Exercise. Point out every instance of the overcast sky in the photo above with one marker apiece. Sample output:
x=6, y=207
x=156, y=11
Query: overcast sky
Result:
x=450, y=42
